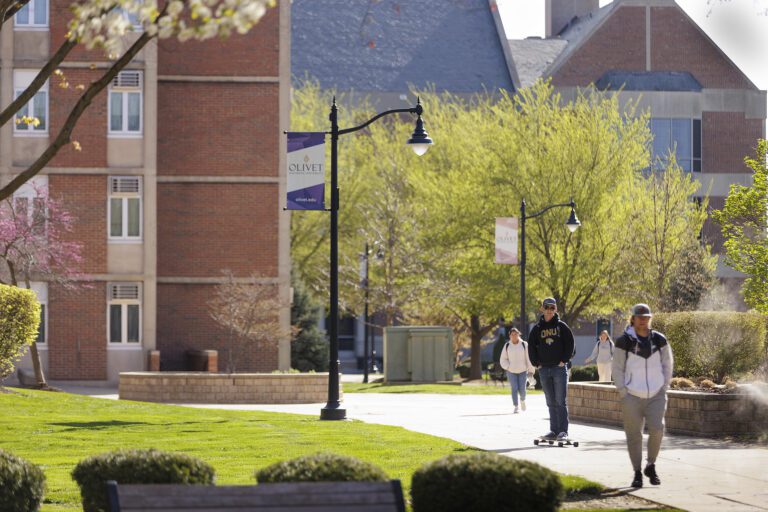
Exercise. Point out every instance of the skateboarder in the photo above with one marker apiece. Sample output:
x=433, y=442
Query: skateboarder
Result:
x=550, y=347
x=642, y=371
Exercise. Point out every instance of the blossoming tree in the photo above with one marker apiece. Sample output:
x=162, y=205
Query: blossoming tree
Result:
x=104, y=24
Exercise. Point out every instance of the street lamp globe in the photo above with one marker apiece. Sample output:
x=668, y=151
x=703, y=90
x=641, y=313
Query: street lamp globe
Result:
x=573, y=221
x=420, y=140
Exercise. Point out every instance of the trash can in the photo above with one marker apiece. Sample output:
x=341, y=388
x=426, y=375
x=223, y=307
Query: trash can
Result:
x=418, y=354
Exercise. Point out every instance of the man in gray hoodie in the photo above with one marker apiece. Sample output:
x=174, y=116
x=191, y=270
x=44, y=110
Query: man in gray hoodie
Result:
x=642, y=371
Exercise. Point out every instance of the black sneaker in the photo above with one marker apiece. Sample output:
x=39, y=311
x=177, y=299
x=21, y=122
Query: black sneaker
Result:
x=638, y=481
x=650, y=472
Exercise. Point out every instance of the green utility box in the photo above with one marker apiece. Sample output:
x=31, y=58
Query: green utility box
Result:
x=418, y=354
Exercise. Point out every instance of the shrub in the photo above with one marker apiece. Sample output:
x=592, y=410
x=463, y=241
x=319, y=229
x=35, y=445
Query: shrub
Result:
x=136, y=467
x=463, y=370
x=714, y=344
x=22, y=484
x=584, y=373
x=321, y=467
x=19, y=319
x=707, y=384
x=681, y=383
x=309, y=345
x=485, y=481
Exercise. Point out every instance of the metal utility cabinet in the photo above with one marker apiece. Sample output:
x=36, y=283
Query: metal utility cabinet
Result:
x=418, y=354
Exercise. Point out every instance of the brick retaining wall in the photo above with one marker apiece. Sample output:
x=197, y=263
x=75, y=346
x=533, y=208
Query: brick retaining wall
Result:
x=222, y=388
x=688, y=412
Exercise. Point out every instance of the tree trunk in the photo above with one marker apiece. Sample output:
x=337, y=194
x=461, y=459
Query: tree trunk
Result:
x=475, y=369
x=36, y=363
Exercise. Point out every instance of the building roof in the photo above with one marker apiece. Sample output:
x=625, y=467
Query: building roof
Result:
x=532, y=57
x=648, y=81
x=389, y=45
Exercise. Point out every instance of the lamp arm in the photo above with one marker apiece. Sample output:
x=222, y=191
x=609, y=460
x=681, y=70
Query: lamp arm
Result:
x=413, y=110
x=572, y=204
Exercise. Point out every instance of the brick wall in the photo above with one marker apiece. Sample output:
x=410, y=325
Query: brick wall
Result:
x=234, y=127
x=85, y=197
x=677, y=44
x=59, y=17
x=254, y=54
x=619, y=44
x=206, y=228
x=77, y=336
x=704, y=414
x=184, y=323
x=222, y=388
x=727, y=138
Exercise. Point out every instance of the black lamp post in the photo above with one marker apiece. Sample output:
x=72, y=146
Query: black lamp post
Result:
x=572, y=223
x=365, y=315
x=419, y=142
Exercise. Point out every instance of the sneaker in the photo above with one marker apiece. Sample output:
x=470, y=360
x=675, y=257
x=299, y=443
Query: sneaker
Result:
x=550, y=435
x=522, y=405
x=650, y=472
x=517, y=409
x=562, y=436
x=638, y=481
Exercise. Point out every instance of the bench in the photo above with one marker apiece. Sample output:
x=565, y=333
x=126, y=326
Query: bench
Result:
x=282, y=497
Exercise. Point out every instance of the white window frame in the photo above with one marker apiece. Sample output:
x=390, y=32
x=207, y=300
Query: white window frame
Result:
x=22, y=78
x=120, y=294
x=31, y=25
x=41, y=292
x=121, y=85
x=119, y=189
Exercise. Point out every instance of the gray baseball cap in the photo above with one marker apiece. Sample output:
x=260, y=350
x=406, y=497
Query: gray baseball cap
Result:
x=641, y=310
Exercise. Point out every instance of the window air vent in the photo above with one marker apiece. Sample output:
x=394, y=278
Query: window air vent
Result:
x=125, y=185
x=130, y=79
x=124, y=291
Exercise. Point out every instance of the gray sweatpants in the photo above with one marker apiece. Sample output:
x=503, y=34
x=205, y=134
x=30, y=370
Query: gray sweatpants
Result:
x=638, y=412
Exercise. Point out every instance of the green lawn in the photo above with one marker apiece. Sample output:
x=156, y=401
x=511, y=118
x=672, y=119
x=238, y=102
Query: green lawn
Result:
x=445, y=389
x=56, y=430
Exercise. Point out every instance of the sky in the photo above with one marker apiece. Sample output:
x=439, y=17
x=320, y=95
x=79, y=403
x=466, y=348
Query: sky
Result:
x=738, y=27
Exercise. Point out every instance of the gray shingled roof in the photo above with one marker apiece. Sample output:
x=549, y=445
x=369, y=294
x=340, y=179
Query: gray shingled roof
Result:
x=533, y=56
x=648, y=81
x=387, y=45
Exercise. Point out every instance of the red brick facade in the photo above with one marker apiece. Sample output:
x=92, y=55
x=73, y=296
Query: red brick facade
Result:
x=728, y=137
x=234, y=126
x=206, y=228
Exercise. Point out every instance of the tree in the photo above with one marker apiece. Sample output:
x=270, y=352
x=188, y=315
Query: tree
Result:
x=18, y=325
x=248, y=310
x=691, y=280
x=105, y=24
x=34, y=246
x=744, y=228
x=309, y=345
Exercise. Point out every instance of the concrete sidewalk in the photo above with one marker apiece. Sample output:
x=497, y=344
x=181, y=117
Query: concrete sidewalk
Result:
x=697, y=474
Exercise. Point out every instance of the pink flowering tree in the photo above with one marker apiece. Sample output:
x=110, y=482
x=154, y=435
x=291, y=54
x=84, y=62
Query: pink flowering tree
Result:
x=34, y=246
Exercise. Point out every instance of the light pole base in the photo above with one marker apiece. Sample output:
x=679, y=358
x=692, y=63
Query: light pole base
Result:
x=333, y=412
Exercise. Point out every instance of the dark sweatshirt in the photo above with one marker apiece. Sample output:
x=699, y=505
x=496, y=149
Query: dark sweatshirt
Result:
x=550, y=343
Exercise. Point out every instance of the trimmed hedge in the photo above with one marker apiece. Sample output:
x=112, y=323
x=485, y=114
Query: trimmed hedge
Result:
x=19, y=319
x=321, y=467
x=485, y=481
x=584, y=374
x=714, y=344
x=136, y=467
x=22, y=484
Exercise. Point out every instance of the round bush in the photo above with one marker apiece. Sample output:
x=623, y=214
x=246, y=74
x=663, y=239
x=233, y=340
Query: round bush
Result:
x=584, y=374
x=485, y=481
x=22, y=484
x=321, y=467
x=136, y=467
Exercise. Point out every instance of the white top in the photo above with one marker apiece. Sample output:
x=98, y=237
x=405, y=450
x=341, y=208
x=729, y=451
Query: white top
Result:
x=603, y=351
x=514, y=358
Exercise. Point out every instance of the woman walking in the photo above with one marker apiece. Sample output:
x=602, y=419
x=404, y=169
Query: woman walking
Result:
x=603, y=352
x=514, y=359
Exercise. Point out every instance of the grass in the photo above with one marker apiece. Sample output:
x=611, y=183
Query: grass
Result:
x=444, y=389
x=57, y=430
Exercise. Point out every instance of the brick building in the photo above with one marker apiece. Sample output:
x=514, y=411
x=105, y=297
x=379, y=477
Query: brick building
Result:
x=699, y=101
x=180, y=177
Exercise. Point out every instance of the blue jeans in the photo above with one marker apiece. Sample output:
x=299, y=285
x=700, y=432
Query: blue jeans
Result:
x=554, y=382
x=517, y=381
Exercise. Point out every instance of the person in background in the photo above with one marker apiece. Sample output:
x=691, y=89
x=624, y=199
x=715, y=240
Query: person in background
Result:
x=642, y=370
x=603, y=352
x=550, y=347
x=514, y=359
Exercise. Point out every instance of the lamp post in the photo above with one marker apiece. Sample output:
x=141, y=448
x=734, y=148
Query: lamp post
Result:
x=365, y=315
x=419, y=142
x=572, y=223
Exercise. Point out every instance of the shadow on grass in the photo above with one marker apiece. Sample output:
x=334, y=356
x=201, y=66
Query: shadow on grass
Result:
x=104, y=425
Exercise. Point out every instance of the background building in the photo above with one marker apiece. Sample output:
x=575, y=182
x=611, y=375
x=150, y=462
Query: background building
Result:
x=181, y=176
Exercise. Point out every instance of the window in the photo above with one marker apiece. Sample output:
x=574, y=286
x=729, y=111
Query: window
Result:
x=32, y=118
x=29, y=206
x=131, y=17
x=125, y=104
x=124, y=313
x=41, y=291
x=681, y=136
x=33, y=16
x=124, y=209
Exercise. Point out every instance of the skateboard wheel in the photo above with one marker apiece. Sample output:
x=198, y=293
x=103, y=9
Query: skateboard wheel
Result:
x=536, y=442
x=551, y=442
x=576, y=444
x=560, y=445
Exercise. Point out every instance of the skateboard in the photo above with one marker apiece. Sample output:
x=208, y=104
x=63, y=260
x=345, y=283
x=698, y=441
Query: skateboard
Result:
x=560, y=443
